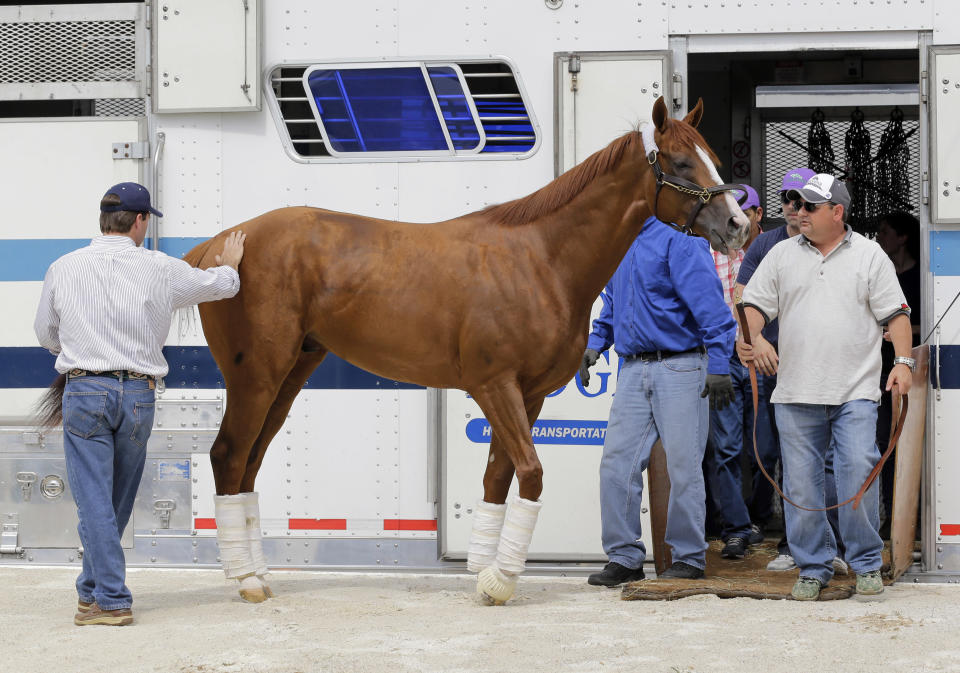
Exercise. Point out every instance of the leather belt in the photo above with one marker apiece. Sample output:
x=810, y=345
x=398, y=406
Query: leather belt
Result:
x=656, y=356
x=119, y=374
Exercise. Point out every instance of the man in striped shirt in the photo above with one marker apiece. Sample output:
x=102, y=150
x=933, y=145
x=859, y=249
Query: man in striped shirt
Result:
x=105, y=311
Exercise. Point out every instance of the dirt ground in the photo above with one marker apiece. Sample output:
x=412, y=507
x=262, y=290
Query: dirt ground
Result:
x=194, y=622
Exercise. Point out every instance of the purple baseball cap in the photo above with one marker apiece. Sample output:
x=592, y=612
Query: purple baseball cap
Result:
x=796, y=178
x=746, y=197
x=133, y=197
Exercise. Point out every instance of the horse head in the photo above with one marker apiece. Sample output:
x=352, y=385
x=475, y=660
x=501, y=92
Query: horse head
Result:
x=684, y=186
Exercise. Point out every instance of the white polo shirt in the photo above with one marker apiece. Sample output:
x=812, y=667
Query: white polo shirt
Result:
x=832, y=310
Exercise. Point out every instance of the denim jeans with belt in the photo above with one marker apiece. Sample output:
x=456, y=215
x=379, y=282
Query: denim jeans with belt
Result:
x=807, y=432
x=731, y=432
x=106, y=425
x=656, y=399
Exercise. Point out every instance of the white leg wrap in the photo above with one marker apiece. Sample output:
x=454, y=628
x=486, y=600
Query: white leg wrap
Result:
x=232, y=536
x=487, y=522
x=515, y=537
x=251, y=510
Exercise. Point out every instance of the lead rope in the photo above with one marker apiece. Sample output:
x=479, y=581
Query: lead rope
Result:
x=855, y=499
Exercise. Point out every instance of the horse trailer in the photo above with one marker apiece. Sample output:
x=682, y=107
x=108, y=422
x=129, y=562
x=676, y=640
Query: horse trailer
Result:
x=212, y=106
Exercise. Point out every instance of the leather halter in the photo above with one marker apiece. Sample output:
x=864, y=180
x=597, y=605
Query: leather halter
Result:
x=703, y=194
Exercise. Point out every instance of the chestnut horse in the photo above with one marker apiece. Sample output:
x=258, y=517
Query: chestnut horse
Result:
x=437, y=305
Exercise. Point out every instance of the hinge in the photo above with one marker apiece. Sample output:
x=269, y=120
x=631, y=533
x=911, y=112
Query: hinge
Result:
x=573, y=67
x=677, y=92
x=8, y=538
x=131, y=150
x=924, y=86
x=925, y=187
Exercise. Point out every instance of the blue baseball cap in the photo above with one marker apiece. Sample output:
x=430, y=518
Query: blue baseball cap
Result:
x=796, y=178
x=133, y=197
x=746, y=197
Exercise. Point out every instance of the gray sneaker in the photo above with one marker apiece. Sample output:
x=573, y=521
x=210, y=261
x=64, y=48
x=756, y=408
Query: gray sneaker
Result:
x=806, y=589
x=870, y=585
x=782, y=562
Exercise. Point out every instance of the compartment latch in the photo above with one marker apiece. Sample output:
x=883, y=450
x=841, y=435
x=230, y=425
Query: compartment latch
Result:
x=26, y=481
x=163, y=509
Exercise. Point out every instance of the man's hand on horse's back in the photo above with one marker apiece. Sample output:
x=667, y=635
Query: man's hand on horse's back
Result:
x=232, y=250
x=720, y=389
x=590, y=358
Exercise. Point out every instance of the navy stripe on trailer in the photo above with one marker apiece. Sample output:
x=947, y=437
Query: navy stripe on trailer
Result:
x=28, y=259
x=190, y=367
x=949, y=371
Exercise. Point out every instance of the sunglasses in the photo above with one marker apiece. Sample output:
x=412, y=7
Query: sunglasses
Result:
x=809, y=207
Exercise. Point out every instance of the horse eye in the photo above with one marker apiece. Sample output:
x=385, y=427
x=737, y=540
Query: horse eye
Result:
x=682, y=166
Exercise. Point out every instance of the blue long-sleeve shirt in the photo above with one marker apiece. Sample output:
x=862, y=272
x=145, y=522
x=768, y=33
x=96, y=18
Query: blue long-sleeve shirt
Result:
x=666, y=295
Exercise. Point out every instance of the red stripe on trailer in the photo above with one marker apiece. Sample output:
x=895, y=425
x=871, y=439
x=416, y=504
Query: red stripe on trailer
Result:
x=410, y=524
x=317, y=524
x=950, y=529
x=205, y=524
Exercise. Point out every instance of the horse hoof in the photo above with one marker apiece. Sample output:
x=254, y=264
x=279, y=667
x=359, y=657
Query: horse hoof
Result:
x=493, y=587
x=252, y=591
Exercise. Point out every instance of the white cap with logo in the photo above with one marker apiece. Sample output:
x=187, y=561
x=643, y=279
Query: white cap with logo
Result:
x=821, y=188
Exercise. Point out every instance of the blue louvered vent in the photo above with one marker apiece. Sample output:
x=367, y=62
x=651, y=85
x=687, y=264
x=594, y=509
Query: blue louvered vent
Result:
x=425, y=109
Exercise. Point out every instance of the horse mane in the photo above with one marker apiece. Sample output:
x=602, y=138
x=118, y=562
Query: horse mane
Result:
x=563, y=189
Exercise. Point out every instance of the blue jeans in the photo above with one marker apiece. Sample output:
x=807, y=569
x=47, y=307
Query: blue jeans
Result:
x=106, y=425
x=655, y=400
x=807, y=432
x=731, y=432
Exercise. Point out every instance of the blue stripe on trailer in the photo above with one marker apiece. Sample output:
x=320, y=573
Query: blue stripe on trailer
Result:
x=945, y=253
x=190, y=367
x=29, y=258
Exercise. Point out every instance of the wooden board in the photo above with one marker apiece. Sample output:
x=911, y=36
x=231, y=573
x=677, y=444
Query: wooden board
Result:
x=658, y=481
x=908, y=467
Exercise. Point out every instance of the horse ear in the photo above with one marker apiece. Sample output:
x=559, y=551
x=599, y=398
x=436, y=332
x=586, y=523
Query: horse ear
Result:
x=695, y=115
x=660, y=115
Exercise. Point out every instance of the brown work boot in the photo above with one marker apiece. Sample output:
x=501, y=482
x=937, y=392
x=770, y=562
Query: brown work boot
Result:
x=95, y=615
x=83, y=606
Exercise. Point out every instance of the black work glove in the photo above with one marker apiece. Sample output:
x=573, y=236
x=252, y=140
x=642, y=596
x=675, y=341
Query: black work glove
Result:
x=720, y=389
x=590, y=357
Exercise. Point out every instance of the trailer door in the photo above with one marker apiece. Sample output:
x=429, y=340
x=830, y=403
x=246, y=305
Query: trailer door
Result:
x=53, y=174
x=942, y=497
x=599, y=98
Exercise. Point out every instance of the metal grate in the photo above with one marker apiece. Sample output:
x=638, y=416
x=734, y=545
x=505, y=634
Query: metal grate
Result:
x=780, y=155
x=68, y=51
x=118, y=107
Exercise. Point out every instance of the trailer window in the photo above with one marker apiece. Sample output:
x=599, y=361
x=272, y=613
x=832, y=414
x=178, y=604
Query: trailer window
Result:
x=410, y=111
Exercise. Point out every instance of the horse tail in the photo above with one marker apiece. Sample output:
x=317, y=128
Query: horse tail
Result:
x=195, y=256
x=49, y=410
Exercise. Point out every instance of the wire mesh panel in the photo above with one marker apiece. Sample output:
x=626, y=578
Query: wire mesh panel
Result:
x=118, y=107
x=68, y=51
x=784, y=148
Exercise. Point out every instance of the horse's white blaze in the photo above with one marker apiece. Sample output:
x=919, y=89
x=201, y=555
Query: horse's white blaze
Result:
x=738, y=215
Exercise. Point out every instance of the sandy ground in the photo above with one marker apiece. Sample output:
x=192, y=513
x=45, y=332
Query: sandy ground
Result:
x=194, y=622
